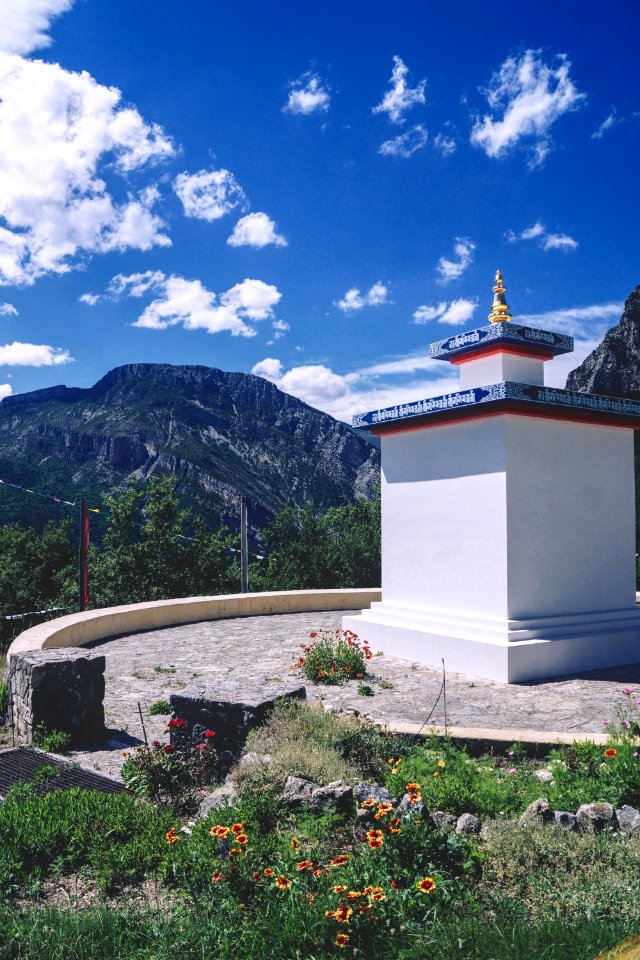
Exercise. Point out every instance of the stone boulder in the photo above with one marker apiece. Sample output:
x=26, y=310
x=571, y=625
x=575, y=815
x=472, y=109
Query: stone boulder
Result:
x=337, y=794
x=444, y=821
x=537, y=812
x=371, y=791
x=220, y=798
x=407, y=809
x=596, y=815
x=628, y=819
x=297, y=792
x=564, y=819
x=468, y=823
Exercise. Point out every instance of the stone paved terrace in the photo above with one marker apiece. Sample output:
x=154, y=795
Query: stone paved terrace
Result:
x=149, y=666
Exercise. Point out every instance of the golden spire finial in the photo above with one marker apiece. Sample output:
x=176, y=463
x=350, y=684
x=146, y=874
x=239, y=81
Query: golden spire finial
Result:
x=499, y=308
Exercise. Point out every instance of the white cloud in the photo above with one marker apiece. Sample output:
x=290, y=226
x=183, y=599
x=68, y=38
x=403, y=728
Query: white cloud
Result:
x=32, y=355
x=24, y=23
x=255, y=230
x=89, y=298
x=548, y=241
x=59, y=132
x=343, y=395
x=269, y=369
x=456, y=313
x=400, y=97
x=559, y=241
x=452, y=269
x=5, y=390
x=531, y=96
x=606, y=124
x=8, y=310
x=208, y=194
x=405, y=144
x=190, y=304
x=445, y=143
x=308, y=94
x=354, y=300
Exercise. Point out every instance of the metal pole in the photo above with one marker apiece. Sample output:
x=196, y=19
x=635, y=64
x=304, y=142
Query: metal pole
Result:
x=82, y=558
x=244, y=547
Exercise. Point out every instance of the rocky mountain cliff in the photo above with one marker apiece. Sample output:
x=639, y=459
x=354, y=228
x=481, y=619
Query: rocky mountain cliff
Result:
x=613, y=368
x=221, y=434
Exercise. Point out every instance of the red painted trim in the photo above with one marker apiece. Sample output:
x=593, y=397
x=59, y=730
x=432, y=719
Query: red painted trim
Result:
x=541, y=413
x=538, y=352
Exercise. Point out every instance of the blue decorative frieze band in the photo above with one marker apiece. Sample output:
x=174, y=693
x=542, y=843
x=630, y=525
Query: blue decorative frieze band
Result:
x=495, y=333
x=520, y=392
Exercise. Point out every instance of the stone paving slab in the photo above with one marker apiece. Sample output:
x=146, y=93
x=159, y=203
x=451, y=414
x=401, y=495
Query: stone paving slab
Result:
x=145, y=667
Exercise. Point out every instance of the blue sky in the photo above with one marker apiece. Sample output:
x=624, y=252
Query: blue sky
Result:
x=311, y=194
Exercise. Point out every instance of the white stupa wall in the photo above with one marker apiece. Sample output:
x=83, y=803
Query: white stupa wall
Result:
x=498, y=367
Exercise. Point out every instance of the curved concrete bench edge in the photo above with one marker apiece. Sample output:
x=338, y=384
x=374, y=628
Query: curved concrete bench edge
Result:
x=80, y=629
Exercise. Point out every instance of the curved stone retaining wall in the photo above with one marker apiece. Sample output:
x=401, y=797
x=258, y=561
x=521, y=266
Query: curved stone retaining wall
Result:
x=80, y=629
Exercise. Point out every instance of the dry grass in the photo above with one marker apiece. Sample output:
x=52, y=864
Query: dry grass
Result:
x=300, y=741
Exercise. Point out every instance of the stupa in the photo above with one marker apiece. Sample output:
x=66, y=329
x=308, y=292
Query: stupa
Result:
x=508, y=516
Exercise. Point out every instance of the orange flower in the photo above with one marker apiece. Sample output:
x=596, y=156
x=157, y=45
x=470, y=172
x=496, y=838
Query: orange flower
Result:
x=305, y=865
x=343, y=913
x=234, y=853
x=374, y=834
x=367, y=891
x=385, y=807
x=412, y=787
x=441, y=763
x=311, y=897
x=220, y=832
x=427, y=885
x=171, y=836
x=283, y=883
x=368, y=803
x=217, y=877
x=378, y=895
x=339, y=888
x=256, y=876
x=394, y=823
x=436, y=773
x=237, y=828
x=610, y=752
x=342, y=940
x=414, y=797
x=365, y=908
x=242, y=839
x=268, y=872
x=317, y=872
x=295, y=843
x=341, y=859
x=354, y=895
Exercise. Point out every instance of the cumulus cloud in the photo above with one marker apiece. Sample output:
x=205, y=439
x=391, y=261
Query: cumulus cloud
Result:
x=89, y=298
x=59, y=133
x=405, y=144
x=269, y=369
x=8, y=310
x=456, y=312
x=400, y=97
x=208, y=194
x=526, y=97
x=307, y=94
x=24, y=23
x=449, y=270
x=547, y=241
x=354, y=300
x=32, y=355
x=256, y=230
x=5, y=390
x=189, y=303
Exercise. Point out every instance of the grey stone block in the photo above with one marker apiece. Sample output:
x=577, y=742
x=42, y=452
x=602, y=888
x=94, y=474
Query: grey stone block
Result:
x=62, y=689
x=565, y=819
x=297, y=791
x=371, y=791
x=468, y=823
x=337, y=794
x=596, y=815
x=538, y=811
x=628, y=819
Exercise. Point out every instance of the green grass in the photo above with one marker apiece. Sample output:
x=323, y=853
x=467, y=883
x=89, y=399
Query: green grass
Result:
x=126, y=935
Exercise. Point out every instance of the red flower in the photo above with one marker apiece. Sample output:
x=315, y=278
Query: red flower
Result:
x=156, y=743
x=168, y=748
x=209, y=733
x=176, y=723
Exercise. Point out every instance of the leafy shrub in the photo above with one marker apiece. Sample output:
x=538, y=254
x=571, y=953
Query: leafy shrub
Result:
x=169, y=775
x=333, y=660
x=160, y=708
x=53, y=741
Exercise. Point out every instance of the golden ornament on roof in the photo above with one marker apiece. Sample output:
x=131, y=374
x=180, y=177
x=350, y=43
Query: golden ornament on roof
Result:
x=499, y=307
